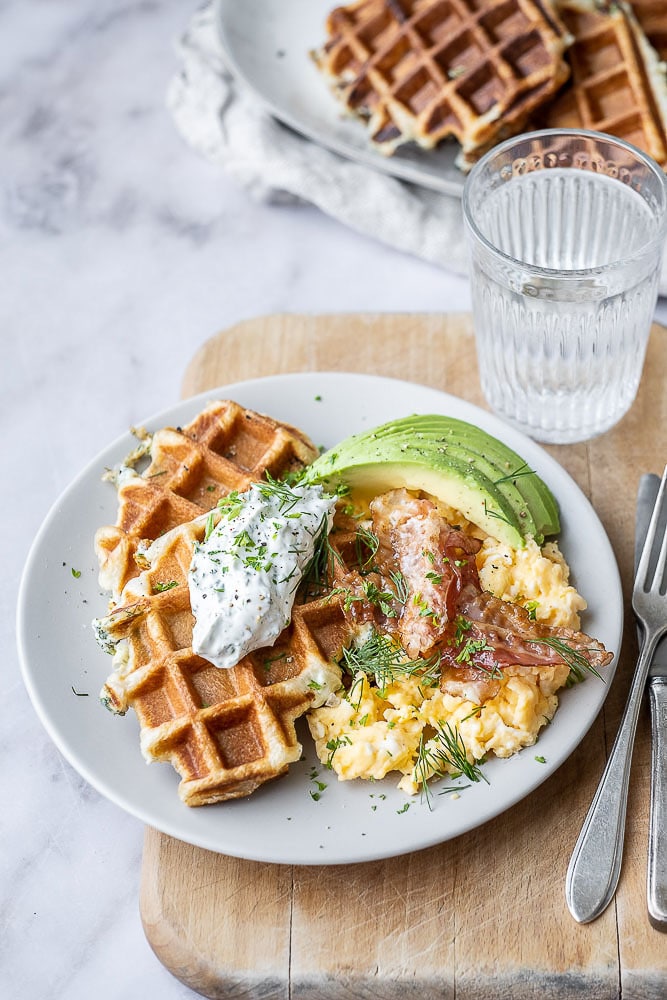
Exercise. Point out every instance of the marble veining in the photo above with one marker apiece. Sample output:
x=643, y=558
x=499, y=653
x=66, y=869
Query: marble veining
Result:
x=121, y=251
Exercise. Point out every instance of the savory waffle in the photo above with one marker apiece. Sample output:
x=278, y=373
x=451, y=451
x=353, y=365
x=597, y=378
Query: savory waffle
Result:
x=224, y=731
x=225, y=448
x=617, y=84
x=426, y=70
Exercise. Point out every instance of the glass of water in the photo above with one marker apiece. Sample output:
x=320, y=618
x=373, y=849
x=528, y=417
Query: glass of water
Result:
x=566, y=230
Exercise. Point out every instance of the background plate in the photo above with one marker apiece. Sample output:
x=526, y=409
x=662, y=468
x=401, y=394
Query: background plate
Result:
x=267, y=45
x=282, y=822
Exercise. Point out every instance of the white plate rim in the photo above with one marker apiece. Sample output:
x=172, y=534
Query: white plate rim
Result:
x=300, y=384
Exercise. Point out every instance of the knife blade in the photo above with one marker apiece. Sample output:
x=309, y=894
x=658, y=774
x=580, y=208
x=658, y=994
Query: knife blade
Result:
x=656, y=875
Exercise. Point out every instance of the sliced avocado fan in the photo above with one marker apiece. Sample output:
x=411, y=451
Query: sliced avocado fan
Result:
x=452, y=460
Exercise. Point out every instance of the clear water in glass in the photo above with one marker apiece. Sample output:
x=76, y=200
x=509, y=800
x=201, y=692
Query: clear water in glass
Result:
x=564, y=288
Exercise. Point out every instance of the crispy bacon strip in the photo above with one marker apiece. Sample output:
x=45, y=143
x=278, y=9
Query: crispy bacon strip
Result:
x=446, y=610
x=435, y=561
x=490, y=634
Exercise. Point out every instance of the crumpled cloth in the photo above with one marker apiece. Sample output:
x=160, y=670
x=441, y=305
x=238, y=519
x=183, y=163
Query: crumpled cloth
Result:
x=224, y=122
x=220, y=118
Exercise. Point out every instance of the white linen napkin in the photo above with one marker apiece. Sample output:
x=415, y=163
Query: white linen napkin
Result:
x=222, y=120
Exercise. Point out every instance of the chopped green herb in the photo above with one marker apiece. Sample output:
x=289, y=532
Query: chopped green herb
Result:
x=531, y=607
x=470, y=647
x=380, y=598
x=333, y=745
x=462, y=625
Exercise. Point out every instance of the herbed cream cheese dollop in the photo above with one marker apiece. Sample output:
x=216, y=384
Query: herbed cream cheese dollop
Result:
x=244, y=575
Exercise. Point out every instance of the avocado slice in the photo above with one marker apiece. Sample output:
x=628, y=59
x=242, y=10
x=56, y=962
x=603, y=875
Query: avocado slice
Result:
x=512, y=470
x=542, y=516
x=450, y=459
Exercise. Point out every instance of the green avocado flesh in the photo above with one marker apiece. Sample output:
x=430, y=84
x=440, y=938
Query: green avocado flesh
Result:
x=452, y=460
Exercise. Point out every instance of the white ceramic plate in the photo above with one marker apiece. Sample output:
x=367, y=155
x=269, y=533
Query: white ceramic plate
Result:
x=282, y=821
x=267, y=45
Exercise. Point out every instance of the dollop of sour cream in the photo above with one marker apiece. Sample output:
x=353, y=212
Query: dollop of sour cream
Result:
x=243, y=577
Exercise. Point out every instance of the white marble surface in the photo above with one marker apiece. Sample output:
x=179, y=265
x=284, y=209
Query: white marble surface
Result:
x=121, y=253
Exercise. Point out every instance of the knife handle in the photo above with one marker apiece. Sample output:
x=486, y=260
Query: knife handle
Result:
x=656, y=892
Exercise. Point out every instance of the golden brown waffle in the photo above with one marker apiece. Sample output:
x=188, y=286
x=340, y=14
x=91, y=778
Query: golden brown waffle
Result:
x=225, y=448
x=652, y=17
x=617, y=84
x=224, y=731
x=426, y=70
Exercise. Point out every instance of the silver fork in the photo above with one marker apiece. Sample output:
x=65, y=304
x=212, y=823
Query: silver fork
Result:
x=595, y=865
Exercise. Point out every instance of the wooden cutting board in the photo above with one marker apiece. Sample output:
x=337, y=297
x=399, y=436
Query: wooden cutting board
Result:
x=482, y=917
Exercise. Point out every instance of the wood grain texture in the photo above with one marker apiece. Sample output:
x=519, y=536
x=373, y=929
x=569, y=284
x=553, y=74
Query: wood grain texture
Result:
x=482, y=917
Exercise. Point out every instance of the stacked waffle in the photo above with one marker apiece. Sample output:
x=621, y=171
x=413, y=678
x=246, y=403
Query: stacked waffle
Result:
x=425, y=70
x=617, y=84
x=224, y=731
x=479, y=71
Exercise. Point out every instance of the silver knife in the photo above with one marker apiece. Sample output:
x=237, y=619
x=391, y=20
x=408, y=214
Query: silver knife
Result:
x=656, y=880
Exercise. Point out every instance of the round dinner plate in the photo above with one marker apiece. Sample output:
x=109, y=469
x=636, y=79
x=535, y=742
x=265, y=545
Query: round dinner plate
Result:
x=307, y=817
x=267, y=45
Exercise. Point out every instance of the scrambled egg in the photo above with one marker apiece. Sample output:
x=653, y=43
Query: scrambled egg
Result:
x=411, y=727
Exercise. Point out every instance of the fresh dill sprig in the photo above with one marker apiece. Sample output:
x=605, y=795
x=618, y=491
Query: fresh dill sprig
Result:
x=496, y=514
x=382, y=659
x=523, y=470
x=401, y=588
x=318, y=574
x=281, y=490
x=366, y=539
x=439, y=754
x=576, y=661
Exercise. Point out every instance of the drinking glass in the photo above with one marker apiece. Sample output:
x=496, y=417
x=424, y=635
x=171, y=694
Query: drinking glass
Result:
x=566, y=230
